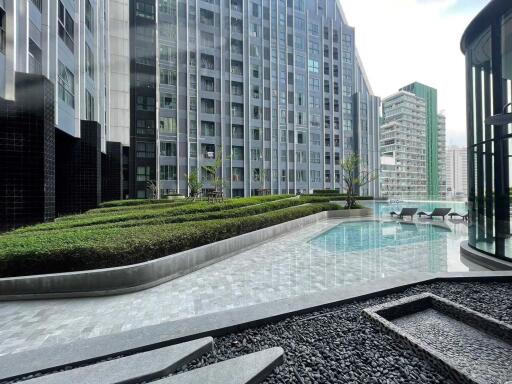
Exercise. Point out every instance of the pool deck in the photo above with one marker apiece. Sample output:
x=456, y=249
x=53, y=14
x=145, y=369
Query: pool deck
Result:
x=285, y=267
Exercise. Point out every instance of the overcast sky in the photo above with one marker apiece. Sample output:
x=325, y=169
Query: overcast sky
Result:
x=401, y=41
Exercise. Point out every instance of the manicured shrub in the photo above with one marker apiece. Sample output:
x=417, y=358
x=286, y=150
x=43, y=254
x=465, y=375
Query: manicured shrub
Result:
x=326, y=191
x=143, y=213
x=78, y=249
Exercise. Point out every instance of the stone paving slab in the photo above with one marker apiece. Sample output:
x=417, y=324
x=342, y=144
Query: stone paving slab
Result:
x=132, y=369
x=248, y=369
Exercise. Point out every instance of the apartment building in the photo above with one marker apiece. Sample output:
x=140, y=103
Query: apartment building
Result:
x=403, y=146
x=457, y=172
x=272, y=90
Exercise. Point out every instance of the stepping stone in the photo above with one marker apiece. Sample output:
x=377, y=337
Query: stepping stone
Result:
x=132, y=369
x=248, y=369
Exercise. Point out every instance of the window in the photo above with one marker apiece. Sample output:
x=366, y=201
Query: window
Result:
x=237, y=152
x=238, y=131
x=144, y=10
x=34, y=57
x=238, y=174
x=89, y=106
x=145, y=150
x=167, y=148
x=313, y=66
x=168, y=125
x=207, y=106
x=256, y=134
x=66, y=85
x=167, y=76
x=2, y=31
x=167, y=6
x=145, y=127
x=206, y=17
x=207, y=128
x=143, y=173
x=167, y=101
x=207, y=39
x=207, y=83
x=255, y=10
x=168, y=172
x=314, y=48
x=315, y=138
x=255, y=154
x=89, y=16
x=89, y=61
x=207, y=61
x=66, y=27
x=314, y=84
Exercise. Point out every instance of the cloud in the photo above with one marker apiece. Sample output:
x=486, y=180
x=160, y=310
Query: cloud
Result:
x=401, y=41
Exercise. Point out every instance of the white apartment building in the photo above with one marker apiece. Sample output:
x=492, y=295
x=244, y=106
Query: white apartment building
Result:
x=441, y=153
x=403, y=147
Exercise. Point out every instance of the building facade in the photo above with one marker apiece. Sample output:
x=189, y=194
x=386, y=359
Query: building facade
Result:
x=457, y=173
x=429, y=95
x=403, y=147
x=54, y=108
x=441, y=154
x=487, y=45
x=270, y=93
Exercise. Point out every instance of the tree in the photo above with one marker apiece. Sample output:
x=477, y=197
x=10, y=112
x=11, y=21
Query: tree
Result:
x=213, y=170
x=152, y=190
x=354, y=177
x=194, y=184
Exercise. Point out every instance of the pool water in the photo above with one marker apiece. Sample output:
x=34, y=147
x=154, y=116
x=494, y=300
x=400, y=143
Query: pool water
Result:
x=364, y=235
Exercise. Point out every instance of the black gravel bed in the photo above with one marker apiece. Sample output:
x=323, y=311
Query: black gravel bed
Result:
x=339, y=345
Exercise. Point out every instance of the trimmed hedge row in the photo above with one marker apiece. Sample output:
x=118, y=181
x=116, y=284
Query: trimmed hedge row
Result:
x=127, y=208
x=130, y=203
x=63, y=251
x=142, y=214
x=327, y=198
x=169, y=219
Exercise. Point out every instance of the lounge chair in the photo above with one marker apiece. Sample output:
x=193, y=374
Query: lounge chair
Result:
x=455, y=214
x=438, y=212
x=405, y=212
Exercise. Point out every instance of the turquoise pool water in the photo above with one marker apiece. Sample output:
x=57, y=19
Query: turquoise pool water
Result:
x=364, y=235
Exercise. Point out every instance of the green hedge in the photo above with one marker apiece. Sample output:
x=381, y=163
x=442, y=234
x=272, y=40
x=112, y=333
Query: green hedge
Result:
x=326, y=198
x=169, y=219
x=75, y=250
x=143, y=214
x=130, y=203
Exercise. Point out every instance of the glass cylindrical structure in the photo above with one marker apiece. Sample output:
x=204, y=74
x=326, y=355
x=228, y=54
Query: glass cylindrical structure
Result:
x=487, y=45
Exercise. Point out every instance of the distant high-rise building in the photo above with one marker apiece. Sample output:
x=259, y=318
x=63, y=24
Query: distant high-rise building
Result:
x=429, y=95
x=441, y=154
x=457, y=172
x=403, y=146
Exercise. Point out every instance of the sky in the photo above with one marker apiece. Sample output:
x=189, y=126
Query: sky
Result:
x=402, y=41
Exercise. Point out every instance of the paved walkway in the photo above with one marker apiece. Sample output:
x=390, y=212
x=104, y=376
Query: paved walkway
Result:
x=284, y=267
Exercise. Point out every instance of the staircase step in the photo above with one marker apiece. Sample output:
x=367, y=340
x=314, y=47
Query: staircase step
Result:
x=132, y=369
x=248, y=369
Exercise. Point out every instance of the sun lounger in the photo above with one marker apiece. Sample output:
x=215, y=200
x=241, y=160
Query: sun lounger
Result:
x=405, y=212
x=438, y=212
x=455, y=214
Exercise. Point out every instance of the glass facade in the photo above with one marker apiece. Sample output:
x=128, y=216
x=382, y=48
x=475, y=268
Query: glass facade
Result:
x=487, y=45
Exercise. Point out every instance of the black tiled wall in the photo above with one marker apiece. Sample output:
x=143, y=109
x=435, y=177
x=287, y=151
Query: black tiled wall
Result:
x=112, y=172
x=27, y=153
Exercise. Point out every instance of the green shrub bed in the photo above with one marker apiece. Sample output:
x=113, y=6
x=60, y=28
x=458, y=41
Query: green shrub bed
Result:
x=142, y=213
x=78, y=249
x=318, y=198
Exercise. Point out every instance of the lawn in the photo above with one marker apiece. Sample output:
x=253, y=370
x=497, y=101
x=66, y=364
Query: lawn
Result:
x=133, y=231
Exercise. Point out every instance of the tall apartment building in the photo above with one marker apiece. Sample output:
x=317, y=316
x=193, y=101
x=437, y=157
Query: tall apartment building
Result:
x=273, y=89
x=441, y=153
x=403, y=146
x=457, y=172
x=429, y=95
x=56, y=153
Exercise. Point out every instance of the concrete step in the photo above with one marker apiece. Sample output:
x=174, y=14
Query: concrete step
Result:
x=248, y=369
x=132, y=369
